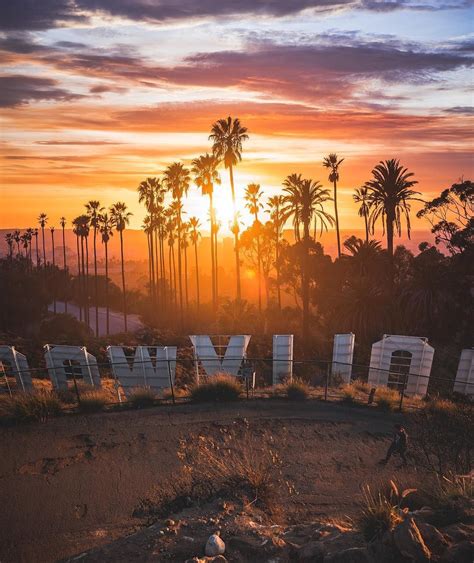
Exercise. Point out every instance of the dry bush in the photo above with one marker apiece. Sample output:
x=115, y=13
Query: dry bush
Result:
x=361, y=386
x=349, y=395
x=29, y=407
x=387, y=399
x=93, y=401
x=380, y=511
x=179, y=393
x=297, y=390
x=452, y=498
x=243, y=466
x=142, y=397
x=443, y=436
x=220, y=388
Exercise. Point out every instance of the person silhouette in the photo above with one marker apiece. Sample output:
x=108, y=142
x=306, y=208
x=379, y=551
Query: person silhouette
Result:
x=399, y=444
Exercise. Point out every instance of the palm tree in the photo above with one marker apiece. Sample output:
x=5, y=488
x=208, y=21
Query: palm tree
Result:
x=332, y=162
x=194, y=226
x=37, y=247
x=81, y=230
x=389, y=194
x=121, y=218
x=361, y=196
x=170, y=232
x=17, y=239
x=253, y=196
x=94, y=209
x=30, y=232
x=206, y=176
x=62, y=222
x=42, y=220
x=24, y=243
x=304, y=200
x=227, y=136
x=278, y=218
x=106, y=230
x=54, y=264
x=148, y=230
x=185, y=245
x=9, y=240
x=176, y=178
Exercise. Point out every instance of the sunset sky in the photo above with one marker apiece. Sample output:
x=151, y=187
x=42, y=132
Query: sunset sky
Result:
x=96, y=95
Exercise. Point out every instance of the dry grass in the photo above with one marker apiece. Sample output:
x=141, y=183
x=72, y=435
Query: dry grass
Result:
x=29, y=407
x=349, y=395
x=387, y=399
x=93, y=400
x=218, y=388
x=142, y=397
x=297, y=390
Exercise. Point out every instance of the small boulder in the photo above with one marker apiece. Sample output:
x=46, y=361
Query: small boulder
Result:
x=460, y=553
x=214, y=546
x=409, y=541
x=434, y=540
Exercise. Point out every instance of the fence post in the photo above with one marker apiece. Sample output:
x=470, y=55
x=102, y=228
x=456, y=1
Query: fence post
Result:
x=326, y=387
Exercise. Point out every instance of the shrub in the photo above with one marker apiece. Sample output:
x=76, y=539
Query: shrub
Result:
x=442, y=432
x=220, y=387
x=387, y=399
x=349, y=395
x=93, y=401
x=179, y=393
x=297, y=390
x=142, y=397
x=361, y=386
x=452, y=498
x=30, y=407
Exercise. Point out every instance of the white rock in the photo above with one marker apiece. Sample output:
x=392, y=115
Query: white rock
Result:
x=214, y=546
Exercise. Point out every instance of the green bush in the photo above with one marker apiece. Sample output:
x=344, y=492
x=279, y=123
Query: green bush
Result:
x=297, y=390
x=221, y=387
x=142, y=397
x=30, y=407
x=93, y=401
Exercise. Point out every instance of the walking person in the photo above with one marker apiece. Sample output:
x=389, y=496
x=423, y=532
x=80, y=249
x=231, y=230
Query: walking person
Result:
x=399, y=444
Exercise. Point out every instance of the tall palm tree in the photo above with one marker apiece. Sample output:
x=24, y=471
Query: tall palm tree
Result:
x=389, y=194
x=170, y=232
x=361, y=196
x=121, y=218
x=17, y=239
x=332, y=162
x=81, y=230
x=31, y=233
x=185, y=246
x=106, y=226
x=278, y=217
x=176, y=178
x=148, y=230
x=24, y=243
x=54, y=264
x=42, y=220
x=227, y=136
x=94, y=209
x=204, y=169
x=62, y=222
x=304, y=200
x=253, y=196
x=9, y=240
x=36, y=232
x=194, y=226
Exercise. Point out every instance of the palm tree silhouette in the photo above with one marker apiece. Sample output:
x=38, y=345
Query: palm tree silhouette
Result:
x=30, y=232
x=93, y=210
x=227, y=136
x=332, y=162
x=185, y=245
x=170, y=231
x=389, y=194
x=253, y=196
x=204, y=169
x=62, y=222
x=148, y=230
x=9, y=240
x=276, y=205
x=176, y=178
x=361, y=196
x=16, y=238
x=36, y=232
x=81, y=230
x=106, y=226
x=304, y=201
x=121, y=218
x=54, y=265
x=24, y=243
x=194, y=226
x=42, y=220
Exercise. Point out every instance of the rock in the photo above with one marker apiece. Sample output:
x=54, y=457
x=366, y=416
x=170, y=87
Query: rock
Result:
x=214, y=546
x=434, y=540
x=409, y=541
x=425, y=514
x=352, y=555
x=460, y=553
x=312, y=552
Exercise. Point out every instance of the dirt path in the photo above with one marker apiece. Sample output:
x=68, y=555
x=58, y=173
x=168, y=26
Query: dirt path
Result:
x=73, y=483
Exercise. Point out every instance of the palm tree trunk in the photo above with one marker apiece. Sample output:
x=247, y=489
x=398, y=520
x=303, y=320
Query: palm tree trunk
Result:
x=96, y=290
x=123, y=283
x=79, y=276
x=198, y=300
x=336, y=215
x=54, y=277
x=366, y=227
x=83, y=281
x=213, y=261
x=259, y=267
x=107, y=307
x=44, y=248
x=156, y=265
x=216, y=261
x=186, y=277
x=175, y=283
x=151, y=257
x=37, y=251
x=87, y=280
x=65, y=269
x=236, y=235
x=148, y=236
x=277, y=267
x=170, y=270
x=305, y=285
x=389, y=226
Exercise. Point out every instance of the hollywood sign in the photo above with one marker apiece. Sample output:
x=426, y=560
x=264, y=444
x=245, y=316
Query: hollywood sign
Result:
x=395, y=360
